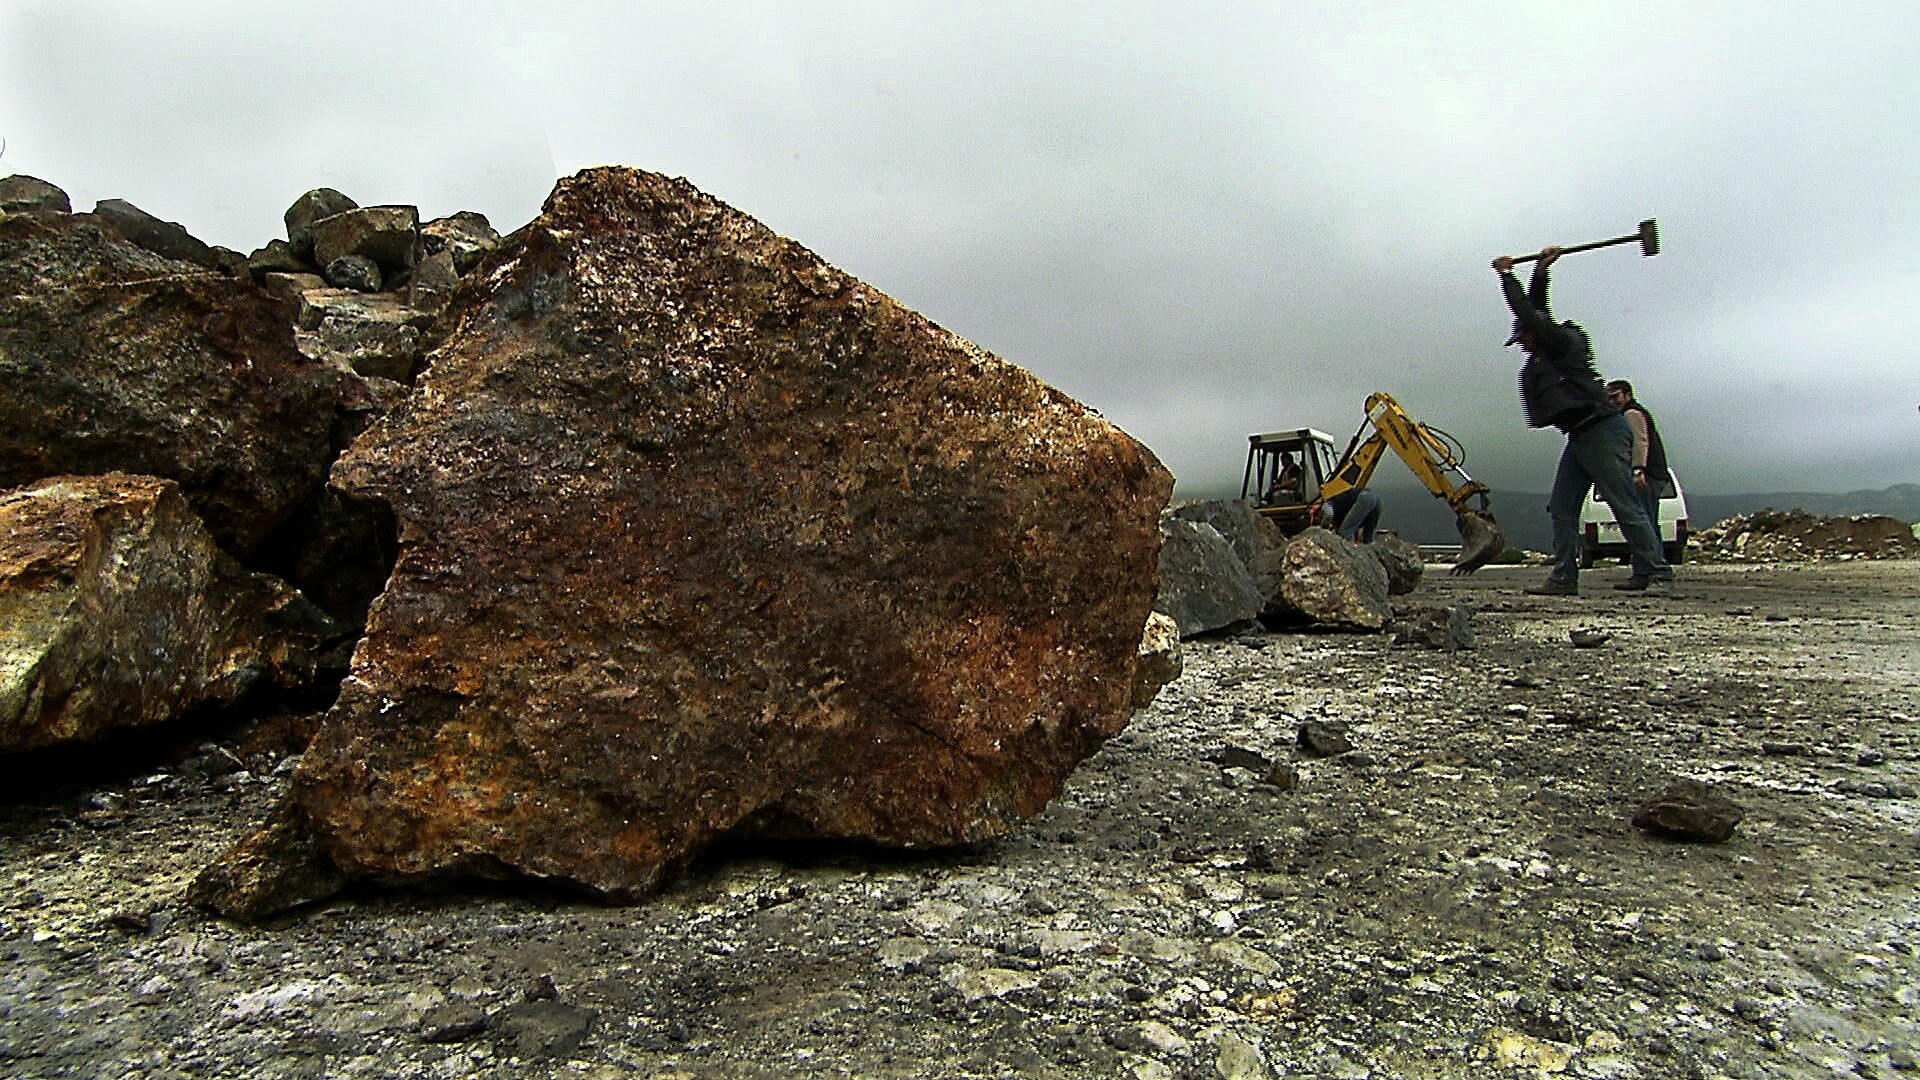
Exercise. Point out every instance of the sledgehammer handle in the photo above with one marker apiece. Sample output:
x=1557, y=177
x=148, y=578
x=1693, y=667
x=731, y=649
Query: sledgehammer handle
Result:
x=1648, y=238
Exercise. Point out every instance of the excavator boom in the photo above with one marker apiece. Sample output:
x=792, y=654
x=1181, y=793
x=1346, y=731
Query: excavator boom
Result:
x=1435, y=458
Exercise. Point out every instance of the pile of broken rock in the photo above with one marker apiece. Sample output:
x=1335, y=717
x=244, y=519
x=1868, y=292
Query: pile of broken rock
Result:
x=653, y=530
x=1224, y=569
x=1796, y=535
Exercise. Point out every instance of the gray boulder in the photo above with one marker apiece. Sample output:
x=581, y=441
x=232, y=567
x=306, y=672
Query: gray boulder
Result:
x=1257, y=542
x=1401, y=560
x=21, y=194
x=164, y=238
x=1204, y=585
x=309, y=208
x=388, y=235
x=466, y=237
x=356, y=272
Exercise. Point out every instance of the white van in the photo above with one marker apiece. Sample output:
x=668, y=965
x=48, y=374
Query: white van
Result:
x=1600, y=536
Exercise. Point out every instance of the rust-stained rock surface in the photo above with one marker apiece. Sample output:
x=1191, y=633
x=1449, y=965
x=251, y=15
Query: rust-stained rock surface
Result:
x=700, y=535
x=114, y=358
x=117, y=610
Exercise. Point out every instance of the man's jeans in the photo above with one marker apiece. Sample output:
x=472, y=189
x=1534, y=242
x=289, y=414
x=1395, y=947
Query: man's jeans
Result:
x=1363, y=517
x=1600, y=455
x=1650, y=502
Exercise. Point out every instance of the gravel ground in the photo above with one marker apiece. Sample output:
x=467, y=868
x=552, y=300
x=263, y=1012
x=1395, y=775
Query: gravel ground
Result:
x=1461, y=895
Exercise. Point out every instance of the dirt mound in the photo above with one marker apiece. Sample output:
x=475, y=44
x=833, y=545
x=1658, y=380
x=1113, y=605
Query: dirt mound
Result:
x=1779, y=535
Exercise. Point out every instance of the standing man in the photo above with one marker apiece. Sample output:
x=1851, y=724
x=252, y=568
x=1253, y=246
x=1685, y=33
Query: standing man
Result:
x=1559, y=387
x=1650, y=476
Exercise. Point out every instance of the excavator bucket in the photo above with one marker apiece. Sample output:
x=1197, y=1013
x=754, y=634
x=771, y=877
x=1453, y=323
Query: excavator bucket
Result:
x=1481, y=540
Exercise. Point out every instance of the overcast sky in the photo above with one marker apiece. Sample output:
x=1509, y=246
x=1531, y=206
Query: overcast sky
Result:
x=1203, y=220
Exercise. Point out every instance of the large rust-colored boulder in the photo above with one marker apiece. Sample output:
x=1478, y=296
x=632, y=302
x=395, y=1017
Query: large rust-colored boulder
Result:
x=700, y=536
x=117, y=610
x=115, y=358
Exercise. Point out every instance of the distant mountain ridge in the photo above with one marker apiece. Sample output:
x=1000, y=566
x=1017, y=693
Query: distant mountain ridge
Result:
x=1423, y=519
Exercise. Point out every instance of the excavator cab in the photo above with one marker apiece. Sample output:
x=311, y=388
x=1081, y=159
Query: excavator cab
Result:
x=1286, y=471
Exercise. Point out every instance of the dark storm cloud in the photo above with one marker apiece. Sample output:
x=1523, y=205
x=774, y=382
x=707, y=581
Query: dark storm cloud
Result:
x=1233, y=219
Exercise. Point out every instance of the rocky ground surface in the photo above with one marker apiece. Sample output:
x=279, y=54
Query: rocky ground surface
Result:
x=1459, y=895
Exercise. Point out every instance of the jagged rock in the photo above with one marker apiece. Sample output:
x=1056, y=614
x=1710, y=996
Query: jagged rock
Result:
x=164, y=238
x=1160, y=661
x=116, y=610
x=466, y=237
x=1401, y=560
x=1447, y=628
x=432, y=282
x=1204, y=586
x=276, y=258
x=356, y=272
x=389, y=235
x=280, y=865
x=381, y=347
x=1256, y=541
x=701, y=537
x=1323, y=738
x=22, y=194
x=292, y=290
x=117, y=359
x=1329, y=581
x=373, y=334
x=1690, y=810
x=309, y=208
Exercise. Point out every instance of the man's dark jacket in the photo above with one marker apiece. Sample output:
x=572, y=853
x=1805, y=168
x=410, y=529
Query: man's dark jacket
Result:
x=1657, y=471
x=1559, y=386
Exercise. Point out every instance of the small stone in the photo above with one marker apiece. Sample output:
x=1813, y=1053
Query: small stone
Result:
x=1870, y=757
x=356, y=272
x=1690, y=810
x=1323, y=738
x=453, y=1023
x=1588, y=638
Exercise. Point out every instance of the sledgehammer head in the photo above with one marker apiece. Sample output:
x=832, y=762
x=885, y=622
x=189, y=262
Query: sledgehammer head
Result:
x=1649, y=238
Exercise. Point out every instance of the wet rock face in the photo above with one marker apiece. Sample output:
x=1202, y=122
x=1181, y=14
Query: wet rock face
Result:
x=117, y=358
x=699, y=535
x=116, y=610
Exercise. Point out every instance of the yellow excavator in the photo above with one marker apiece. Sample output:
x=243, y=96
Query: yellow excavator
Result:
x=1291, y=475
